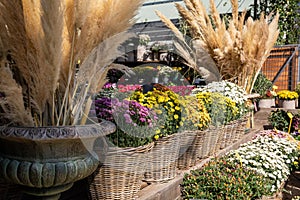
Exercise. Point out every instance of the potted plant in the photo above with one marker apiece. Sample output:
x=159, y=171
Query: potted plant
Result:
x=164, y=154
x=267, y=91
x=156, y=48
x=196, y=122
x=223, y=111
x=128, y=148
x=279, y=119
x=287, y=99
x=54, y=60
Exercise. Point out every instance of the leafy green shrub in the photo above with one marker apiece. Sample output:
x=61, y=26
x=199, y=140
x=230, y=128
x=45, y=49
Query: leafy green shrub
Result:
x=262, y=85
x=279, y=119
x=224, y=179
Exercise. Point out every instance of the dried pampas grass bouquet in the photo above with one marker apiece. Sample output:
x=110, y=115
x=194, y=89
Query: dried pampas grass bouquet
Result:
x=238, y=47
x=42, y=42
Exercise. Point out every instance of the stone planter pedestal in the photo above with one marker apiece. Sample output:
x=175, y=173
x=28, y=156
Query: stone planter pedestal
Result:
x=287, y=104
x=46, y=161
x=266, y=103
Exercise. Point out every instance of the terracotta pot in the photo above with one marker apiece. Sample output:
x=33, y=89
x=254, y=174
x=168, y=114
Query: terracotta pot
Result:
x=46, y=161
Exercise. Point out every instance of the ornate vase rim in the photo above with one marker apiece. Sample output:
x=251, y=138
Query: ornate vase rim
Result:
x=58, y=132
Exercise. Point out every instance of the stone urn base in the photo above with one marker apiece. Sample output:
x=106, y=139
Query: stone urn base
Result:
x=46, y=161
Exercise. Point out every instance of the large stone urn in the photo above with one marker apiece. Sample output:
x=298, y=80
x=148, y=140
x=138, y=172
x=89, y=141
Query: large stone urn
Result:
x=46, y=161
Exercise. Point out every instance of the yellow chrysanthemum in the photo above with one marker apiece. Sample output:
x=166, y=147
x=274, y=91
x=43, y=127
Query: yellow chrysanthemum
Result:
x=171, y=104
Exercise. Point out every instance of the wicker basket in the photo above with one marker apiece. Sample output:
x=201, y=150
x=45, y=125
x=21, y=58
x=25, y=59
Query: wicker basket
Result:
x=162, y=159
x=242, y=127
x=193, y=152
x=186, y=143
x=231, y=133
x=211, y=136
x=227, y=136
x=121, y=174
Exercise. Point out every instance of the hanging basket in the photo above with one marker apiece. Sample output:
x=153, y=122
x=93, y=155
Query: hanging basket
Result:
x=162, y=159
x=121, y=174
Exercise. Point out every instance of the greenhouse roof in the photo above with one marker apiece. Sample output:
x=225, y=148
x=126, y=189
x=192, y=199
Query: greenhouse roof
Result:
x=167, y=8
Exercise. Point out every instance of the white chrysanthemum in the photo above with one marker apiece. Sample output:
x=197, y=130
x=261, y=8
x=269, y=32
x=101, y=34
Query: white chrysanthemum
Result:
x=269, y=156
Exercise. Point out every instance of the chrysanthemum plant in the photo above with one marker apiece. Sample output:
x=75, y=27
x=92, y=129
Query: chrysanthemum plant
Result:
x=55, y=56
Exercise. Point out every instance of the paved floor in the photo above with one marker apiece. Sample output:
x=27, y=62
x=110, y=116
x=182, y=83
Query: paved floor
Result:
x=261, y=118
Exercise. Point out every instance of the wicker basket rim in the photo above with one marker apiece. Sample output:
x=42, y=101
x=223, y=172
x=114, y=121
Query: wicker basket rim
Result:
x=131, y=150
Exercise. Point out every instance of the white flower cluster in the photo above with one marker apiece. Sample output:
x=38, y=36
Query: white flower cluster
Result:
x=226, y=88
x=166, y=71
x=144, y=39
x=269, y=156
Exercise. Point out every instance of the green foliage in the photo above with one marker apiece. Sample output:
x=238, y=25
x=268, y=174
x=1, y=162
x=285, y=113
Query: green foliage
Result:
x=297, y=89
x=223, y=179
x=289, y=19
x=262, y=85
x=279, y=119
x=123, y=139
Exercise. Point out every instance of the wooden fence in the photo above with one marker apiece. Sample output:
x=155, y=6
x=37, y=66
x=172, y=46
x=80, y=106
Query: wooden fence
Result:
x=282, y=66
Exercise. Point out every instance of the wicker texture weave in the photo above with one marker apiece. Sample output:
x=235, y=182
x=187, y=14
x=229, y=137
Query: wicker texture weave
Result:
x=162, y=159
x=242, y=126
x=211, y=136
x=226, y=137
x=188, y=156
x=231, y=133
x=121, y=175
